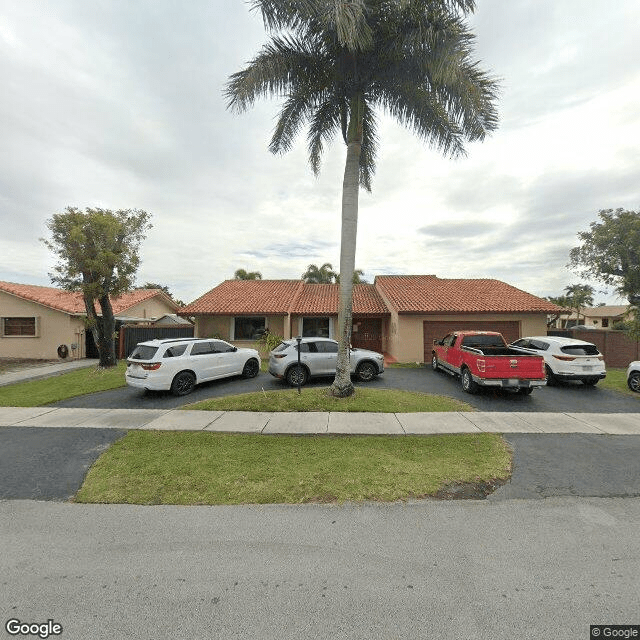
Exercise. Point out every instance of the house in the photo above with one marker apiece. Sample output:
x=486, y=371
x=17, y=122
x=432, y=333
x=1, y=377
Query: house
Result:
x=603, y=317
x=397, y=315
x=242, y=310
x=35, y=320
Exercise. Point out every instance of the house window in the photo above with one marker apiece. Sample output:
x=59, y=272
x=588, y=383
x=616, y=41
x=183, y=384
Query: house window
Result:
x=315, y=328
x=248, y=328
x=605, y=323
x=19, y=327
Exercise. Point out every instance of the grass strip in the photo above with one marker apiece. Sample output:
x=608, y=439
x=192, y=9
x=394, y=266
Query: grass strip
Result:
x=318, y=399
x=189, y=468
x=616, y=380
x=35, y=393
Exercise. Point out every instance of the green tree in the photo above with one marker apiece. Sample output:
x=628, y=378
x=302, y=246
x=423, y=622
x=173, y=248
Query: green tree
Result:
x=162, y=287
x=319, y=275
x=561, y=301
x=357, y=277
x=98, y=255
x=610, y=252
x=241, y=274
x=335, y=61
x=579, y=296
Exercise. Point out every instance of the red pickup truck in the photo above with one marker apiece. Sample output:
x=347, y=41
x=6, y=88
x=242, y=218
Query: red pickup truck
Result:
x=483, y=359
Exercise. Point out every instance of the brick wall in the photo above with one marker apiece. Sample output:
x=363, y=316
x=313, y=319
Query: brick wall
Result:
x=616, y=347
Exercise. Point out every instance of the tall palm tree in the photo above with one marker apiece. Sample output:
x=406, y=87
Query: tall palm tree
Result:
x=579, y=296
x=241, y=274
x=334, y=61
x=319, y=275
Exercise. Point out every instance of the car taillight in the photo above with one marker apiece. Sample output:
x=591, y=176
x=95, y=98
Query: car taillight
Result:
x=564, y=358
x=481, y=365
x=279, y=355
x=153, y=366
x=600, y=357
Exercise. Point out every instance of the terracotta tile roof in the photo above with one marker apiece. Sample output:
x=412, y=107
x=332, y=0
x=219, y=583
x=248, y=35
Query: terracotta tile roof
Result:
x=316, y=299
x=279, y=297
x=238, y=297
x=430, y=294
x=71, y=302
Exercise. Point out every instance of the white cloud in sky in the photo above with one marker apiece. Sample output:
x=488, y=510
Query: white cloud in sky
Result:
x=121, y=105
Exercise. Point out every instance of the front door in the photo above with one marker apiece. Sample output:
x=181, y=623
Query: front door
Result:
x=367, y=333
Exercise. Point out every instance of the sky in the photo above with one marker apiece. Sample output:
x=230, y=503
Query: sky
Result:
x=120, y=104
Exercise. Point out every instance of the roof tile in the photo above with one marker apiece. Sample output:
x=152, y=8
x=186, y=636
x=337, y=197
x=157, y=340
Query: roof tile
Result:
x=430, y=294
x=71, y=301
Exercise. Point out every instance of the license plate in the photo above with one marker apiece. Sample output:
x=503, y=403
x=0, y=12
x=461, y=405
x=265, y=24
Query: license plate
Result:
x=512, y=382
x=587, y=368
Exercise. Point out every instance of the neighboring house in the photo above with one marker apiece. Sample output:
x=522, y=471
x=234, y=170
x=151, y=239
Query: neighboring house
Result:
x=35, y=320
x=398, y=315
x=603, y=317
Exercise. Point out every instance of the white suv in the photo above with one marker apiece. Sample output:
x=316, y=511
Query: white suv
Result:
x=565, y=358
x=318, y=358
x=180, y=364
x=633, y=376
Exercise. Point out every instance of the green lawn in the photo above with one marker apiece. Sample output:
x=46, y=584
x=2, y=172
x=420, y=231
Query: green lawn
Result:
x=616, y=380
x=317, y=399
x=164, y=467
x=36, y=393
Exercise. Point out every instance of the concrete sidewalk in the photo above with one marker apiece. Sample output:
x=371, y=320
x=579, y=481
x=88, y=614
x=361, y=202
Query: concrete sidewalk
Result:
x=46, y=370
x=324, y=423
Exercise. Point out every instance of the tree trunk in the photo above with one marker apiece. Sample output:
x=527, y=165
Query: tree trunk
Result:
x=106, y=345
x=342, y=385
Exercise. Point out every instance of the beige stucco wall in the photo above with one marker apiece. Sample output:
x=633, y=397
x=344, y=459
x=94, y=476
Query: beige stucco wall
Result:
x=54, y=328
x=207, y=326
x=406, y=335
x=152, y=308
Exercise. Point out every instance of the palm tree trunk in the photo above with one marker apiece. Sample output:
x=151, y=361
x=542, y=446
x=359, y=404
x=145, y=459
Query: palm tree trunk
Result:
x=342, y=385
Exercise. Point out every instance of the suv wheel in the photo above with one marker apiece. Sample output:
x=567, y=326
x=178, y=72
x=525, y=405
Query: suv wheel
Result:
x=297, y=375
x=251, y=369
x=634, y=382
x=366, y=371
x=183, y=384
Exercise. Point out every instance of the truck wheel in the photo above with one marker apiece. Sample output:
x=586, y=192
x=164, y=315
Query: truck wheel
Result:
x=551, y=379
x=468, y=385
x=525, y=391
x=434, y=362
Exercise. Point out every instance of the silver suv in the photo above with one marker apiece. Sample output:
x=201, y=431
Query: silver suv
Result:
x=318, y=358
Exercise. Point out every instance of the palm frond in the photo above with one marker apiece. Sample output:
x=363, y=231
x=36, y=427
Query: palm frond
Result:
x=346, y=18
x=283, y=62
x=322, y=128
x=369, y=148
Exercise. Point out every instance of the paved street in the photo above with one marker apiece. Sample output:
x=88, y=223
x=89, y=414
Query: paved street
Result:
x=571, y=397
x=525, y=569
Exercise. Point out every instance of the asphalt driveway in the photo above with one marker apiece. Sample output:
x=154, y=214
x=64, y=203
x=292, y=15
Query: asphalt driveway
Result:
x=51, y=463
x=568, y=398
